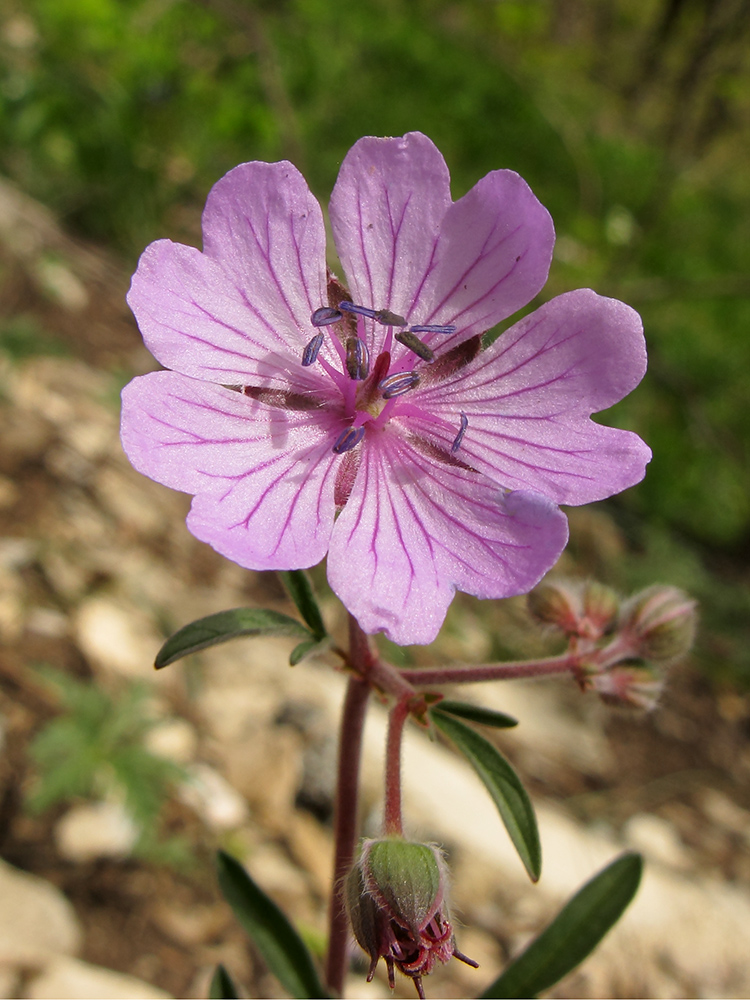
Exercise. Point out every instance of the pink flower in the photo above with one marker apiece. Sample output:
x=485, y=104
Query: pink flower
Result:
x=367, y=424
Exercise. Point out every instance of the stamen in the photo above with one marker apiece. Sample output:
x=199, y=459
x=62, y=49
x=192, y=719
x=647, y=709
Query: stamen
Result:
x=325, y=316
x=348, y=439
x=357, y=359
x=359, y=310
x=431, y=328
x=460, y=436
x=386, y=318
x=310, y=353
x=410, y=340
x=397, y=384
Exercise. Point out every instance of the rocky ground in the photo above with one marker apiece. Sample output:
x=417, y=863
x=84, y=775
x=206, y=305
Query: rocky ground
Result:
x=96, y=568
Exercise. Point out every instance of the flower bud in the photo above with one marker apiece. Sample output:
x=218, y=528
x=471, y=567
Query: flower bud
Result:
x=557, y=604
x=628, y=685
x=586, y=610
x=395, y=896
x=660, y=623
x=601, y=606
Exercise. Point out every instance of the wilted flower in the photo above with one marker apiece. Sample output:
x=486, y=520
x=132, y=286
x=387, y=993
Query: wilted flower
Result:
x=396, y=898
x=292, y=399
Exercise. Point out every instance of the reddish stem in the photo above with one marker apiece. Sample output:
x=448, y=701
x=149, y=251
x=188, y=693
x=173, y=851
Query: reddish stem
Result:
x=345, y=824
x=392, y=821
x=474, y=673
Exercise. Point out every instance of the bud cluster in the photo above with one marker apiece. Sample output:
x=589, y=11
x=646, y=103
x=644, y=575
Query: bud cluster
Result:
x=621, y=647
x=396, y=898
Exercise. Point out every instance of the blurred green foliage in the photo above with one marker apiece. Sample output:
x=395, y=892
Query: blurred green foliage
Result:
x=628, y=120
x=95, y=750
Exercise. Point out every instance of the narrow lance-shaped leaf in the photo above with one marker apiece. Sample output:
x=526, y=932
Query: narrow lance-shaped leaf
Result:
x=222, y=987
x=308, y=648
x=475, y=713
x=226, y=625
x=574, y=933
x=275, y=938
x=502, y=783
x=300, y=590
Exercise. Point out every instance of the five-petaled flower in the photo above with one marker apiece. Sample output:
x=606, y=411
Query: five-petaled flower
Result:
x=364, y=421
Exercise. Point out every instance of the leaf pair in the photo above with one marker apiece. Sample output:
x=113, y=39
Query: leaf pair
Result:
x=226, y=625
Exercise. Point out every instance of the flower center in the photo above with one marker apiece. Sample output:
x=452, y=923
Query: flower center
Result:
x=372, y=395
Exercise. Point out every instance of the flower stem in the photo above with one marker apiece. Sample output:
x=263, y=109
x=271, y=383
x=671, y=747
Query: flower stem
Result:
x=392, y=821
x=474, y=673
x=346, y=807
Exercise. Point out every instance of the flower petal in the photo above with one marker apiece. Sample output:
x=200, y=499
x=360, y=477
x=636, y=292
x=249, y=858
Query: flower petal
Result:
x=386, y=209
x=243, y=306
x=492, y=257
x=529, y=396
x=405, y=246
x=264, y=476
x=415, y=529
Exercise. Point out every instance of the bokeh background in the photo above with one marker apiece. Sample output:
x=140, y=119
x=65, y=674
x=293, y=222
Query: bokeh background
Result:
x=631, y=124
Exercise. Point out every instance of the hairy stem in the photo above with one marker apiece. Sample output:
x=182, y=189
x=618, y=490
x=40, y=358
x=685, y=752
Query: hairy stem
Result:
x=345, y=825
x=392, y=821
x=474, y=673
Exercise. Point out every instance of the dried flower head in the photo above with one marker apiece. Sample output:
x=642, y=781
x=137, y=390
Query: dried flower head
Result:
x=396, y=898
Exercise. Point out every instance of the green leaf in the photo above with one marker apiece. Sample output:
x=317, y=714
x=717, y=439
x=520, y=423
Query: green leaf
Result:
x=307, y=648
x=502, y=783
x=226, y=625
x=222, y=987
x=300, y=590
x=278, y=942
x=474, y=713
x=574, y=933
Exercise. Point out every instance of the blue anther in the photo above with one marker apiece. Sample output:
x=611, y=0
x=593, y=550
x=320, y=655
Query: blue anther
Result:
x=348, y=439
x=325, y=316
x=310, y=353
x=432, y=328
x=460, y=436
x=357, y=359
x=386, y=318
x=397, y=384
x=359, y=310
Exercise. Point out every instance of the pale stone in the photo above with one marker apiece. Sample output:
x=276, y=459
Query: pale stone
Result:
x=61, y=284
x=722, y=811
x=36, y=920
x=9, y=982
x=173, y=739
x=132, y=499
x=93, y=439
x=15, y=553
x=115, y=638
x=190, y=926
x=284, y=882
x=71, y=979
x=312, y=848
x=9, y=492
x=657, y=840
x=267, y=769
x=48, y=622
x=95, y=830
x=219, y=805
